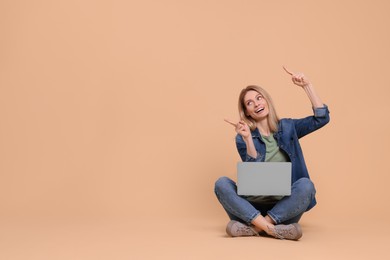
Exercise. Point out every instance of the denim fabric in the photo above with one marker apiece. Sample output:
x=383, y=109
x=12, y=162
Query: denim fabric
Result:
x=287, y=137
x=286, y=211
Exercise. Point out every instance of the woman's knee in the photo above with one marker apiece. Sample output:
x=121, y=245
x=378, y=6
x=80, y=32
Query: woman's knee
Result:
x=305, y=185
x=222, y=184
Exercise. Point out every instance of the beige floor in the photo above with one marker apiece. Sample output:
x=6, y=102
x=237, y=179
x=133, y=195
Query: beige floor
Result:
x=183, y=238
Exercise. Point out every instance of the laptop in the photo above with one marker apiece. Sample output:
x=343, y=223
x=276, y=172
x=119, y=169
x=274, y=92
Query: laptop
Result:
x=264, y=178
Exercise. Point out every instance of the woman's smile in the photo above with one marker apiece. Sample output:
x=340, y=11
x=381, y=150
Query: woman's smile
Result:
x=259, y=110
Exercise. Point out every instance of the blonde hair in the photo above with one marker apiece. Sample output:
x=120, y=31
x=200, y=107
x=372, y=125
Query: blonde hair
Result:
x=273, y=118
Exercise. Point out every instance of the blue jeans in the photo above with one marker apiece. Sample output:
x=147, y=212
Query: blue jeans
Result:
x=286, y=211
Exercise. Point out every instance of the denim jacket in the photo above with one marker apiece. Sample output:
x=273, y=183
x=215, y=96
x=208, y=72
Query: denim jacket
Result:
x=289, y=131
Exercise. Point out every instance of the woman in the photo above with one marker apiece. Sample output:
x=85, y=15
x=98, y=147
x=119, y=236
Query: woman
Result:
x=262, y=136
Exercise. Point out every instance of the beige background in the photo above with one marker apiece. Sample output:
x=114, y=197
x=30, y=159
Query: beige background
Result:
x=112, y=134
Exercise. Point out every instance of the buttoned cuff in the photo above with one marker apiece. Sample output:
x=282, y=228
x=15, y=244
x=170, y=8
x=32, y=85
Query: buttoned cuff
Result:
x=249, y=158
x=321, y=111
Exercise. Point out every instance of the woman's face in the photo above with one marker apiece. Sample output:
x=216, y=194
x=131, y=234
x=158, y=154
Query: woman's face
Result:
x=256, y=106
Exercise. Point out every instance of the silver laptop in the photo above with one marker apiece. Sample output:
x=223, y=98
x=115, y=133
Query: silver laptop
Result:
x=264, y=178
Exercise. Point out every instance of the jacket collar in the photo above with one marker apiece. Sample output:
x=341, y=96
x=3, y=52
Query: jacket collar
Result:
x=256, y=133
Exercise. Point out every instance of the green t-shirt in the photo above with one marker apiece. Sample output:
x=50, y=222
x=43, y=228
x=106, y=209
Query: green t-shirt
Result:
x=273, y=154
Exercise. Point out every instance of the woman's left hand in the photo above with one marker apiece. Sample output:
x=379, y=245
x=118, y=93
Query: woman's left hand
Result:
x=298, y=78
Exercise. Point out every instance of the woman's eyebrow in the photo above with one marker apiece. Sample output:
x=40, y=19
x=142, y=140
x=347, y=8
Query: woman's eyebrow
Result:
x=258, y=95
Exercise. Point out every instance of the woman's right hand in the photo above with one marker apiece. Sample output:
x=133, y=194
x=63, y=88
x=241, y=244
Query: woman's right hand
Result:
x=241, y=128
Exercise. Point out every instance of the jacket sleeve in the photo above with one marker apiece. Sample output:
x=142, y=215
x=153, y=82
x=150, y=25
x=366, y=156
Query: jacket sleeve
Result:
x=241, y=148
x=309, y=124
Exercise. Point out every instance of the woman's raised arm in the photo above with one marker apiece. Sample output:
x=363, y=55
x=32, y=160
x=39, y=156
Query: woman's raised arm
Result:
x=302, y=81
